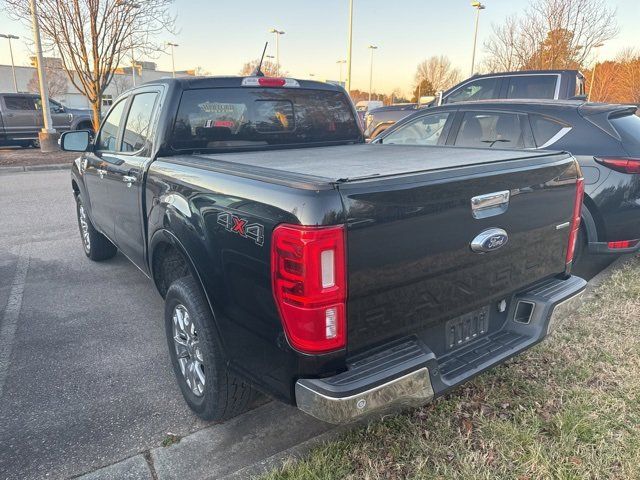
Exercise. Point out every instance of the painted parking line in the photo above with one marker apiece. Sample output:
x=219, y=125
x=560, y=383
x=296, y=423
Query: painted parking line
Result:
x=9, y=319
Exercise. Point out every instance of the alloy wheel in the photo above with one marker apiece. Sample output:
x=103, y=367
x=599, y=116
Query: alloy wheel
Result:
x=188, y=351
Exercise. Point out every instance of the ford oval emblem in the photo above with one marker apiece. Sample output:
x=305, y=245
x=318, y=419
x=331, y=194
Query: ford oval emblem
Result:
x=489, y=240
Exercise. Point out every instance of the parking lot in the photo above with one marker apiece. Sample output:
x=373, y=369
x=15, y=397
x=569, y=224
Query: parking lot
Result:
x=85, y=378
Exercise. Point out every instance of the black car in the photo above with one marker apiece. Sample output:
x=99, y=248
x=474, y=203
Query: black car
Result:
x=605, y=138
x=529, y=84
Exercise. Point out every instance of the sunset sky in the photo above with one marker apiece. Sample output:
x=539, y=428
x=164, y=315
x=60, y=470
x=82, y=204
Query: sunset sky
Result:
x=221, y=35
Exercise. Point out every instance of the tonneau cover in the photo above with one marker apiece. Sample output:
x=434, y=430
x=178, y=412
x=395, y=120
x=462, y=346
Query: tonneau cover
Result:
x=348, y=162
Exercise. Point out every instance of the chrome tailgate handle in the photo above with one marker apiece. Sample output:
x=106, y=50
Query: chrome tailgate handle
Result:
x=490, y=204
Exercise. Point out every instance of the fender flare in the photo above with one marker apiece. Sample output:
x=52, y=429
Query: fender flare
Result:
x=166, y=236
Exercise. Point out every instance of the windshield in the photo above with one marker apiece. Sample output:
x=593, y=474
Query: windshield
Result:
x=223, y=119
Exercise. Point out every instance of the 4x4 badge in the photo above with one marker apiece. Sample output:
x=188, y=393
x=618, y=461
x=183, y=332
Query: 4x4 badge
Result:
x=242, y=227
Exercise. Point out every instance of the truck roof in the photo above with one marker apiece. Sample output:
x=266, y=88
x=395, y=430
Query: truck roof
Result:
x=339, y=164
x=233, y=81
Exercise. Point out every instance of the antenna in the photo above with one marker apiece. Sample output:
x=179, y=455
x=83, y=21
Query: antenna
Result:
x=257, y=72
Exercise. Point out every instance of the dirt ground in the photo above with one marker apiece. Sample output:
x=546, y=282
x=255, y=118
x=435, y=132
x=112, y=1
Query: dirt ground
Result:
x=19, y=157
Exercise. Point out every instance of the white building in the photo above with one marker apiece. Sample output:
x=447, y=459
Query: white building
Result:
x=73, y=98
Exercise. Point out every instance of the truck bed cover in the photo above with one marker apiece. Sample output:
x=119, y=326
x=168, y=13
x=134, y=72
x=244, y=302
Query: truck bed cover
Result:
x=337, y=164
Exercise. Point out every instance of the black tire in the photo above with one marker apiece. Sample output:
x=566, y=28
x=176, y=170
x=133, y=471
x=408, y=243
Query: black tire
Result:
x=95, y=245
x=223, y=395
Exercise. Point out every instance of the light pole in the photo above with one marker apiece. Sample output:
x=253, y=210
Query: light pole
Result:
x=47, y=136
x=593, y=72
x=349, y=48
x=133, y=68
x=340, y=63
x=173, y=63
x=277, y=33
x=13, y=67
x=478, y=6
x=372, y=48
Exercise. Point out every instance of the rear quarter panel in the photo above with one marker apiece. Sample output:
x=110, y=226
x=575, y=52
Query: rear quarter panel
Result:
x=196, y=205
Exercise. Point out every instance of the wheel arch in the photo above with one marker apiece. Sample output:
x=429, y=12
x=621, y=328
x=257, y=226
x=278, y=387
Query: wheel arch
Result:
x=588, y=220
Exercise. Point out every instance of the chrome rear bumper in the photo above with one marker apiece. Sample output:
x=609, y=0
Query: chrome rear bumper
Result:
x=413, y=389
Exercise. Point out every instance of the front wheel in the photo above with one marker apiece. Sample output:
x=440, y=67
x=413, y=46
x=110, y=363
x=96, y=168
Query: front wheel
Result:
x=96, y=246
x=201, y=367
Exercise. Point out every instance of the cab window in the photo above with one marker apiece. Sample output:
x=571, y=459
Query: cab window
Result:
x=532, y=86
x=482, y=89
x=425, y=130
x=19, y=103
x=109, y=133
x=137, y=129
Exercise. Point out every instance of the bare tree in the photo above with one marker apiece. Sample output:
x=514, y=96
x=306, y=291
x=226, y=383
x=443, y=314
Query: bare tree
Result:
x=268, y=67
x=93, y=36
x=121, y=83
x=438, y=72
x=201, y=72
x=551, y=34
x=57, y=81
x=616, y=81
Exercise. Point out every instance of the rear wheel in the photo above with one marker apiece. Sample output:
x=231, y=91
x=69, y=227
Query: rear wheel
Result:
x=581, y=247
x=201, y=368
x=96, y=246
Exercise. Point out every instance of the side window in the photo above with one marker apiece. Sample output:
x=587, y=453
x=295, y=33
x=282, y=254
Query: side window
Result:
x=137, y=128
x=109, y=132
x=532, y=86
x=482, y=89
x=490, y=130
x=544, y=129
x=422, y=131
x=19, y=103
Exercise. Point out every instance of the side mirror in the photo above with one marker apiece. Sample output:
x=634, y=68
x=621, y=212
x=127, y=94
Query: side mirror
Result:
x=75, y=141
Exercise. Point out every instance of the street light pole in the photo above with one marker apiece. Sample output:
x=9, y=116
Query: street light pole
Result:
x=478, y=6
x=173, y=63
x=340, y=63
x=277, y=33
x=372, y=48
x=349, y=48
x=593, y=72
x=13, y=67
x=47, y=136
x=133, y=68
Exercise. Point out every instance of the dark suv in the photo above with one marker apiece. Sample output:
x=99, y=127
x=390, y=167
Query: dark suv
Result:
x=532, y=84
x=605, y=138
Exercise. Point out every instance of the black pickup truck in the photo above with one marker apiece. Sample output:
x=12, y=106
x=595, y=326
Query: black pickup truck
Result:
x=296, y=260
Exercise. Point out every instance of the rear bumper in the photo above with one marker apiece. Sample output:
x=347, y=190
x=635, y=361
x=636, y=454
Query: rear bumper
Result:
x=407, y=373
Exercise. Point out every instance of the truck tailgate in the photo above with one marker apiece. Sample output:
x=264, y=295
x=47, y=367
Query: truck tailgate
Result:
x=410, y=266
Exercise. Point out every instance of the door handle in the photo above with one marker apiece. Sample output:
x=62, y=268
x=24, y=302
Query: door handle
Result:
x=101, y=172
x=129, y=179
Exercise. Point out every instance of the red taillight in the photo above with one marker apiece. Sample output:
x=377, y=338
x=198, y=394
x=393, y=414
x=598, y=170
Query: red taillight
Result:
x=620, y=164
x=308, y=267
x=271, y=82
x=575, y=220
x=623, y=244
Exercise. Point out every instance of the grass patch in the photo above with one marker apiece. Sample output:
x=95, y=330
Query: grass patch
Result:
x=170, y=439
x=567, y=409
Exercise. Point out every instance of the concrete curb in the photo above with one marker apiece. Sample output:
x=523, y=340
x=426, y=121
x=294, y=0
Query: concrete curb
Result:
x=35, y=168
x=254, y=443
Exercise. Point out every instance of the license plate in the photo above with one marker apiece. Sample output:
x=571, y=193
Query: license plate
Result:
x=466, y=328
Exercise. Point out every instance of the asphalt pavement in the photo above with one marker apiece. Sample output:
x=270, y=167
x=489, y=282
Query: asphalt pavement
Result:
x=85, y=377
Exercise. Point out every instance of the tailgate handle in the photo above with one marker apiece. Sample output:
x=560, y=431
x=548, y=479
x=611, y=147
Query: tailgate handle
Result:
x=490, y=204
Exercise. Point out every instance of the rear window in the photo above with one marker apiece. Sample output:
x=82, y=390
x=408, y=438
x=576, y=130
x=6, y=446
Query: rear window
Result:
x=222, y=119
x=532, y=86
x=628, y=127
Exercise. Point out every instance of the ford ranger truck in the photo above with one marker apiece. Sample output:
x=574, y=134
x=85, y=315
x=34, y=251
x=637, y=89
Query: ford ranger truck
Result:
x=298, y=261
